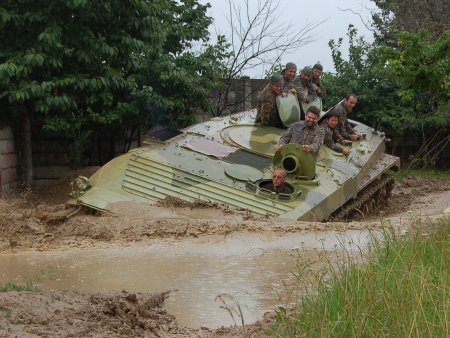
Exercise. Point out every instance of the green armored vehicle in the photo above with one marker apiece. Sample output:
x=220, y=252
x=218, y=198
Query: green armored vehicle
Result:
x=230, y=160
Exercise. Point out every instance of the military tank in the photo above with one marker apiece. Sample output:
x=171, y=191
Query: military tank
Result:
x=230, y=160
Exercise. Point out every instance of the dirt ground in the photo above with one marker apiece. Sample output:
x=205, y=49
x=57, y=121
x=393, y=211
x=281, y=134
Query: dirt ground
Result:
x=37, y=220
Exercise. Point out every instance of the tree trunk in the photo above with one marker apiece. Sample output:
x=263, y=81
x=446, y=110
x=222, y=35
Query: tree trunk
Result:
x=27, y=152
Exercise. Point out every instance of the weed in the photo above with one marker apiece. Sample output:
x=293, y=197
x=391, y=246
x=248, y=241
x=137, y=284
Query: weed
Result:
x=231, y=309
x=29, y=282
x=402, y=289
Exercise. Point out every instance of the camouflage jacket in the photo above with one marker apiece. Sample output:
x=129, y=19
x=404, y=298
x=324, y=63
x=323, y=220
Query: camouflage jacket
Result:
x=344, y=127
x=288, y=84
x=300, y=134
x=318, y=87
x=305, y=91
x=267, y=110
x=332, y=137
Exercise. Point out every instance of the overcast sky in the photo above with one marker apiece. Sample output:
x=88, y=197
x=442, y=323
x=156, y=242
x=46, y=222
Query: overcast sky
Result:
x=301, y=12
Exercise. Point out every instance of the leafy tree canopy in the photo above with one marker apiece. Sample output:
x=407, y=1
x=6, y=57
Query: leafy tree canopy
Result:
x=402, y=79
x=75, y=63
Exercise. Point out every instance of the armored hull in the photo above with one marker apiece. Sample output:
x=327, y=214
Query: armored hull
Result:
x=230, y=161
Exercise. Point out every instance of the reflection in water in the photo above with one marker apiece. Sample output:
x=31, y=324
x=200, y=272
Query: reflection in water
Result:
x=250, y=270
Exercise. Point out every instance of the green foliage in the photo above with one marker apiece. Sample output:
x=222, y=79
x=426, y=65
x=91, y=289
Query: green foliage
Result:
x=402, y=83
x=275, y=70
x=6, y=287
x=365, y=73
x=28, y=284
x=421, y=69
x=96, y=65
x=402, y=290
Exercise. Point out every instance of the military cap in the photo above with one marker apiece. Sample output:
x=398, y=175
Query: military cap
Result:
x=318, y=66
x=291, y=65
x=276, y=80
x=307, y=71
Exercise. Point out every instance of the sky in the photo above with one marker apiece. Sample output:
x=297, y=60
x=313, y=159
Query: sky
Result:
x=301, y=12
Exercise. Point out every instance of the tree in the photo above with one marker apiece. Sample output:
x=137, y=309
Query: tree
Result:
x=411, y=16
x=401, y=79
x=365, y=73
x=421, y=69
x=257, y=37
x=84, y=66
x=179, y=84
x=415, y=41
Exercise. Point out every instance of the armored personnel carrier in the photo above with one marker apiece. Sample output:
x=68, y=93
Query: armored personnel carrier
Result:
x=230, y=160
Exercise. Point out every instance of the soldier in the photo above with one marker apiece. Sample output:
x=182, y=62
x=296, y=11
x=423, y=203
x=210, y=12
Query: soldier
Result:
x=267, y=111
x=305, y=91
x=317, y=72
x=305, y=133
x=342, y=109
x=332, y=138
x=289, y=73
x=279, y=181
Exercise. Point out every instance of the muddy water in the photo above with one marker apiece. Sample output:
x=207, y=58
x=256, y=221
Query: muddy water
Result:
x=218, y=282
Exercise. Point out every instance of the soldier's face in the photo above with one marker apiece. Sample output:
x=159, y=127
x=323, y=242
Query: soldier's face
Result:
x=278, y=178
x=332, y=121
x=350, y=103
x=305, y=78
x=316, y=73
x=311, y=119
x=290, y=73
x=277, y=89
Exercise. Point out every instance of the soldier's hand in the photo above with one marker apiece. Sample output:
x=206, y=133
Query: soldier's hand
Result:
x=346, y=152
x=354, y=137
x=284, y=94
x=306, y=148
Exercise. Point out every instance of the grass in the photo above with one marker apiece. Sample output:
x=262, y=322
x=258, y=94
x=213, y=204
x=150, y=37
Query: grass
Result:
x=402, y=173
x=401, y=290
x=8, y=286
x=29, y=283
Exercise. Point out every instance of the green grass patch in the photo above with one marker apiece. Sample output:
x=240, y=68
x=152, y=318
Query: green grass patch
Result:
x=8, y=286
x=403, y=173
x=29, y=283
x=401, y=290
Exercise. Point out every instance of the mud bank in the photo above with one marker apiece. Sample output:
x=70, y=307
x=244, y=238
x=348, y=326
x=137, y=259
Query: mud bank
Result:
x=30, y=223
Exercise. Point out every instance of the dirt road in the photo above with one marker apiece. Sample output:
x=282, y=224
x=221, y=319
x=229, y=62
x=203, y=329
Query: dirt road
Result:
x=36, y=220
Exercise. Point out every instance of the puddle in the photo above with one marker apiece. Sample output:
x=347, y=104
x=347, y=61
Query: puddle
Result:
x=249, y=271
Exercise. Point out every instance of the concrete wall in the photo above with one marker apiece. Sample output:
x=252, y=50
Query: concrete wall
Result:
x=8, y=162
x=51, y=152
x=244, y=94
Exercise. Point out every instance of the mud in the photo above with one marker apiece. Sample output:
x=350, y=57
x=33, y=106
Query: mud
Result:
x=39, y=220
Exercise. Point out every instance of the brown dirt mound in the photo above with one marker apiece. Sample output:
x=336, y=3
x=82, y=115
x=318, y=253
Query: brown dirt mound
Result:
x=412, y=189
x=105, y=314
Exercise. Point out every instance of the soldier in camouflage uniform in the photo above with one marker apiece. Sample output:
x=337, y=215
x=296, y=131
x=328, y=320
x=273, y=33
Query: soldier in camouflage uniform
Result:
x=342, y=109
x=289, y=73
x=318, y=87
x=305, y=90
x=305, y=133
x=332, y=138
x=267, y=111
